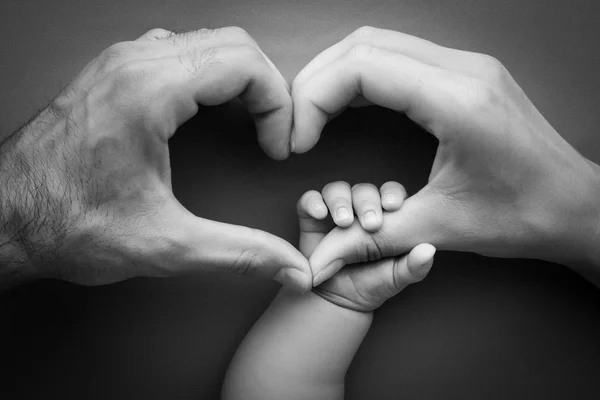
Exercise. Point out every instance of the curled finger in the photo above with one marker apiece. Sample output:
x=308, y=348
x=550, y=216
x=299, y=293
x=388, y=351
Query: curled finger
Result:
x=392, y=195
x=338, y=197
x=367, y=206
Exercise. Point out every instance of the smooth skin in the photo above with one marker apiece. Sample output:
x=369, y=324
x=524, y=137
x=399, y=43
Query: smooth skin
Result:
x=85, y=187
x=303, y=344
x=504, y=183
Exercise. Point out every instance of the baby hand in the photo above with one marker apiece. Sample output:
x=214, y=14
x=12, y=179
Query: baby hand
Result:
x=361, y=287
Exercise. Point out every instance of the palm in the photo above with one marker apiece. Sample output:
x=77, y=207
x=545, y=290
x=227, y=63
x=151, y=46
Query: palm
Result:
x=359, y=286
x=491, y=181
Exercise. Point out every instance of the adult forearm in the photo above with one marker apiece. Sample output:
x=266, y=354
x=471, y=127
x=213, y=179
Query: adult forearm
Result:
x=14, y=262
x=22, y=185
x=593, y=244
x=299, y=349
x=582, y=235
x=13, y=256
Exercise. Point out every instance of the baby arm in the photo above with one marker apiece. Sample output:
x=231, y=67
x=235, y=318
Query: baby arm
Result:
x=300, y=348
x=302, y=345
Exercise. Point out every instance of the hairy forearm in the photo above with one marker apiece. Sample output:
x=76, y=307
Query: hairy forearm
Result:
x=300, y=348
x=14, y=265
x=23, y=187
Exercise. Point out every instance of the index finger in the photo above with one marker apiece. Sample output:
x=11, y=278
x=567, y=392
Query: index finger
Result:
x=174, y=86
x=427, y=52
x=427, y=94
x=242, y=71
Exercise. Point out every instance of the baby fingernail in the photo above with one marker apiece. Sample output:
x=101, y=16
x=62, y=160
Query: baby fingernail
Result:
x=370, y=218
x=320, y=210
x=389, y=198
x=342, y=213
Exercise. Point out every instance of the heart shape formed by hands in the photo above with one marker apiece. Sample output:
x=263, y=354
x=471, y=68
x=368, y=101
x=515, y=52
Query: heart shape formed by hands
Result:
x=91, y=198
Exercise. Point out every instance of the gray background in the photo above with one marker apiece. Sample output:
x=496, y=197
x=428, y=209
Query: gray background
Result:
x=476, y=328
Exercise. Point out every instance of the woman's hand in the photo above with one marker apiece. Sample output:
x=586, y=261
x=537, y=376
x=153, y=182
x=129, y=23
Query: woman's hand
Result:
x=504, y=182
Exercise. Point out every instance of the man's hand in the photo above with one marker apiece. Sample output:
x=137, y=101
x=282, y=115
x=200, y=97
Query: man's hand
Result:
x=503, y=183
x=362, y=287
x=85, y=188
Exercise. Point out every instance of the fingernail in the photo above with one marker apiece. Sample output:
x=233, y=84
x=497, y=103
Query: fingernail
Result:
x=389, y=198
x=321, y=276
x=320, y=210
x=294, y=279
x=342, y=213
x=370, y=218
x=422, y=269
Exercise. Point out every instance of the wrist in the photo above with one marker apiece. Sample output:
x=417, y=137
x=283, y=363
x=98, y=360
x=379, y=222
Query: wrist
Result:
x=576, y=228
x=342, y=302
x=591, y=242
x=15, y=264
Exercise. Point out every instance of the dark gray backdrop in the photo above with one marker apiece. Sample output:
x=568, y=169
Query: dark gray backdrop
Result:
x=476, y=328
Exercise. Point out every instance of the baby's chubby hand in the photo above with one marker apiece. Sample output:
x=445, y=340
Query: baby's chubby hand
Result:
x=361, y=287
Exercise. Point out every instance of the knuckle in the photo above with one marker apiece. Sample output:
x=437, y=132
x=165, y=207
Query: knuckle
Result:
x=246, y=263
x=369, y=250
x=239, y=33
x=60, y=105
x=250, y=53
x=130, y=75
x=364, y=32
x=361, y=51
x=494, y=71
x=115, y=54
x=480, y=97
x=157, y=33
x=117, y=49
x=128, y=88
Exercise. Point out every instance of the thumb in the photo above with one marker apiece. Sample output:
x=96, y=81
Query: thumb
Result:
x=423, y=218
x=198, y=244
x=389, y=276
